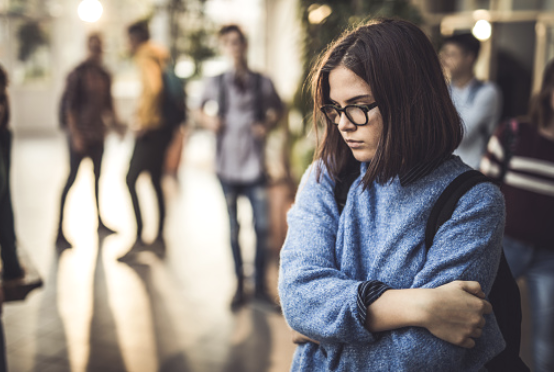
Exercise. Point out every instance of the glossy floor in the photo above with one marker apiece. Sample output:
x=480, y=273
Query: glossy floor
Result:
x=153, y=314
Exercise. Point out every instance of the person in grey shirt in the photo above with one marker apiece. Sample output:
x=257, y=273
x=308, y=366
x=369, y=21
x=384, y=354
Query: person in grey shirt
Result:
x=479, y=103
x=248, y=107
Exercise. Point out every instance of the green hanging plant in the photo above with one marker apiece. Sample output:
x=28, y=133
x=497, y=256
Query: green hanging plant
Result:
x=31, y=36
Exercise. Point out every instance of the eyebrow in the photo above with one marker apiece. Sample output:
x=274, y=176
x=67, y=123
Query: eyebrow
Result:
x=355, y=98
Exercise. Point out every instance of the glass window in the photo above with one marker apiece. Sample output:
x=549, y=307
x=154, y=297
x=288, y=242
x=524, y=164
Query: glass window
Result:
x=532, y=5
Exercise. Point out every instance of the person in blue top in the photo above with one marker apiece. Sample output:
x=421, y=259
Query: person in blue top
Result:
x=359, y=288
x=479, y=103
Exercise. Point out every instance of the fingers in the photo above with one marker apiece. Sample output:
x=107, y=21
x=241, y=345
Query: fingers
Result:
x=477, y=333
x=487, y=307
x=468, y=343
x=297, y=338
x=473, y=288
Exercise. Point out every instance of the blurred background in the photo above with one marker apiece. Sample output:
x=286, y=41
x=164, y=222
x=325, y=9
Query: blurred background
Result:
x=93, y=313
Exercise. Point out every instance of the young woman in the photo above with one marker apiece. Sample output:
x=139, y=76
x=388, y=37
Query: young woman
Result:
x=360, y=286
x=521, y=156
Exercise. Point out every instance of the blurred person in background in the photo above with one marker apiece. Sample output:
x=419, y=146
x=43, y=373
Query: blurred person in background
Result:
x=11, y=267
x=520, y=155
x=152, y=137
x=86, y=113
x=248, y=108
x=478, y=103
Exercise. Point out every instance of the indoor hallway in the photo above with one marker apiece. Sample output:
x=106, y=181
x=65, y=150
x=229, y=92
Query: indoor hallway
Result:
x=158, y=313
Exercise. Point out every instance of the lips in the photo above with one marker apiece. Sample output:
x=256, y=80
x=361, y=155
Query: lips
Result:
x=354, y=143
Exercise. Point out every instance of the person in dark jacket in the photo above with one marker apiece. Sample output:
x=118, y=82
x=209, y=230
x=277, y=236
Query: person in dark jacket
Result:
x=87, y=106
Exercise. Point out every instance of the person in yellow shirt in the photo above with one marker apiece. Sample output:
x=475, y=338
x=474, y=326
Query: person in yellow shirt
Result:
x=152, y=136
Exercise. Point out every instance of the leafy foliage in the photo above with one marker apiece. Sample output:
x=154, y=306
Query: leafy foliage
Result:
x=31, y=37
x=191, y=32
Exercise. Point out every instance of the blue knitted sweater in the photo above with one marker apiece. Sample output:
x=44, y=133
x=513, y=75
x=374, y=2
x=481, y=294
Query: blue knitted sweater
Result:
x=380, y=236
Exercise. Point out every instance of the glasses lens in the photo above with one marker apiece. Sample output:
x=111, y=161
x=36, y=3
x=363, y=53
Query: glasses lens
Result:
x=356, y=115
x=331, y=114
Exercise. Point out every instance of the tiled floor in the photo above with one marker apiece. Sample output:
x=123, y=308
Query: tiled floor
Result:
x=97, y=314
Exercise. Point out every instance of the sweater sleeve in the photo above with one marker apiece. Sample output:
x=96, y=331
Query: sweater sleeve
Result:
x=318, y=300
x=466, y=247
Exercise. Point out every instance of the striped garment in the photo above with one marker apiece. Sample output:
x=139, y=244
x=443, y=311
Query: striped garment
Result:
x=528, y=182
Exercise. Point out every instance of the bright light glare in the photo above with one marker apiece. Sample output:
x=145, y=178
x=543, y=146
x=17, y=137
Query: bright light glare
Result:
x=318, y=14
x=90, y=10
x=482, y=30
x=184, y=68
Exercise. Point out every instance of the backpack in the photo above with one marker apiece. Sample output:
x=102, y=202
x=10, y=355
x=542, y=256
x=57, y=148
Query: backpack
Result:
x=174, y=108
x=504, y=294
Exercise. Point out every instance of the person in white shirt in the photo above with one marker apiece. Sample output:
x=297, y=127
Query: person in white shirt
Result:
x=479, y=103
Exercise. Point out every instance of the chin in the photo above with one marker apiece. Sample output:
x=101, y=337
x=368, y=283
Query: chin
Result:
x=363, y=156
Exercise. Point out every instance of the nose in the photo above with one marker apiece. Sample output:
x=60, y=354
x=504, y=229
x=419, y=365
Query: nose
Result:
x=345, y=124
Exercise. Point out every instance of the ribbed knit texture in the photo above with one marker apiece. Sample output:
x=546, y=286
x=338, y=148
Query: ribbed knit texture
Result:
x=380, y=237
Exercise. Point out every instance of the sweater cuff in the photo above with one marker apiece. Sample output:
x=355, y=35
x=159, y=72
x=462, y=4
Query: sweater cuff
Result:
x=368, y=292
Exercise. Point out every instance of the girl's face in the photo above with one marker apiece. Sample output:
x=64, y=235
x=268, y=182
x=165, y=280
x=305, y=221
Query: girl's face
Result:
x=347, y=88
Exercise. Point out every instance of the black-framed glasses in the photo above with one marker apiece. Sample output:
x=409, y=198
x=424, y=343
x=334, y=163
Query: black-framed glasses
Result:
x=357, y=114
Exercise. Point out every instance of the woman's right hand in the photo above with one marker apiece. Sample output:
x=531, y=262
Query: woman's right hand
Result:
x=455, y=311
x=78, y=143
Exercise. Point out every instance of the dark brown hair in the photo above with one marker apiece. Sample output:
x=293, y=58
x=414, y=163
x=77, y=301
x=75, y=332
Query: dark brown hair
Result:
x=541, y=112
x=466, y=41
x=140, y=29
x=402, y=69
x=3, y=77
x=233, y=28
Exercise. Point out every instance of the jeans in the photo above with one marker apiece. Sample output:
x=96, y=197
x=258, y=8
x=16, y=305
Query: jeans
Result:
x=257, y=194
x=537, y=265
x=95, y=153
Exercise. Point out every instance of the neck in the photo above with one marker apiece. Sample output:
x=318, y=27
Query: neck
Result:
x=240, y=66
x=462, y=80
x=95, y=59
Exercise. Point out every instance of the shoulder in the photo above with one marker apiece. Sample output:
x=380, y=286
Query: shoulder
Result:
x=315, y=181
x=481, y=194
x=214, y=80
x=317, y=172
x=78, y=69
x=489, y=89
x=264, y=79
x=483, y=199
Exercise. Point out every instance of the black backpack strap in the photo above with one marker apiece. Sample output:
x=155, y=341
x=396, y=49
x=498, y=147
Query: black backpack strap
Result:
x=445, y=205
x=222, y=96
x=259, y=107
x=476, y=86
x=504, y=294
